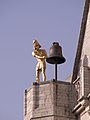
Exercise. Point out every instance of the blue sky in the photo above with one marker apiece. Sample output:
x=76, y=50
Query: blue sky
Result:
x=21, y=21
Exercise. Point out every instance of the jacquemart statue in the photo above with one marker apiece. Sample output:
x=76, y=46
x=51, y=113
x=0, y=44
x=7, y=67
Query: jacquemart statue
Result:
x=40, y=55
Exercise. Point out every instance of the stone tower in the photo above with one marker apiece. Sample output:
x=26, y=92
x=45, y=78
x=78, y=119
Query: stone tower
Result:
x=60, y=100
x=81, y=71
x=50, y=101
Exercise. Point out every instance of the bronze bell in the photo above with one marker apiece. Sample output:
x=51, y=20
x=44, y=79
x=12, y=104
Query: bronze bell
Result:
x=55, y=55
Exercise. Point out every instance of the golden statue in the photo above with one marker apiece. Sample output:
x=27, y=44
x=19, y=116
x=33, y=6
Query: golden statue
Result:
x=40, y=55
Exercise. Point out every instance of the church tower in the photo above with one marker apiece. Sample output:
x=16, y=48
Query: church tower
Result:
x=63, y=100
x=81, y=71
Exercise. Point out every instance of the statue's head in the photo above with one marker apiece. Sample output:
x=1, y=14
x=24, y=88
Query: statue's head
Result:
x=36, y=44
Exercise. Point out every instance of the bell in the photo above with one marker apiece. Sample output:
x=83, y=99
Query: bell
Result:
x=55, y=55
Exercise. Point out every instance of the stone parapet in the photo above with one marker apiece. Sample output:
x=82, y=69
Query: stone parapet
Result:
x=51, y=100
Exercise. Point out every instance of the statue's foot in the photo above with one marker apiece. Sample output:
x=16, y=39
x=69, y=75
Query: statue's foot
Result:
x=44, y=80
x=37, y=80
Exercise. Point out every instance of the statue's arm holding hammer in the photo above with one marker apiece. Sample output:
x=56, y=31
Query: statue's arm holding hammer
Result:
x=38, y=56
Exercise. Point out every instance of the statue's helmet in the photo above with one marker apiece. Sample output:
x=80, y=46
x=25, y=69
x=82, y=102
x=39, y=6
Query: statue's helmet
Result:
x=36, y=43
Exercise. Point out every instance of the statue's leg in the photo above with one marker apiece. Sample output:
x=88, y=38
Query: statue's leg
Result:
x=38, y=76
x=43, y=75
x=38, y=73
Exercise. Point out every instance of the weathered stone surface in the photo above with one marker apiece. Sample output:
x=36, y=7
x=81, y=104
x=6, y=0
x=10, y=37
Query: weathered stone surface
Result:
x=85, y=56
x=50, y=101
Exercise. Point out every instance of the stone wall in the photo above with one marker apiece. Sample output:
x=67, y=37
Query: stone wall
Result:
x=52, y=100
x=85, y=56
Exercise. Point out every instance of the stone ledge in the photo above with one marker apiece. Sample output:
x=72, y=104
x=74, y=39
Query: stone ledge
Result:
x=52, y=81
